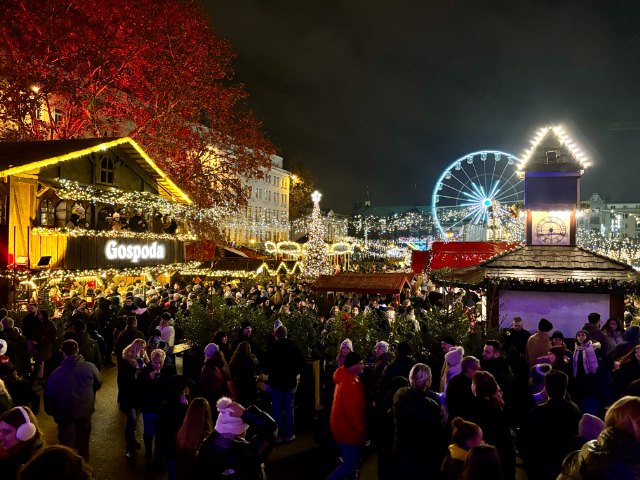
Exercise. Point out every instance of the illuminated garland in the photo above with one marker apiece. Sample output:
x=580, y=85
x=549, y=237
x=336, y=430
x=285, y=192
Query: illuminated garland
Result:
x=623, y=249
x=70, y=190
x=80, y=232
x=572, y=285
x=272, y=273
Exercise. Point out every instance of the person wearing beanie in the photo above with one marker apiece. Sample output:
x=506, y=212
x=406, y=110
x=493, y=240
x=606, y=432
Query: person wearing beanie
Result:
x=209, y=350
x=345, y=347
x=418, y=455
x=227, y=450
x=348, y=413
x=539, y=343
x=452, y=361
x=283, y=362
x=272, y=339
x=547, y=430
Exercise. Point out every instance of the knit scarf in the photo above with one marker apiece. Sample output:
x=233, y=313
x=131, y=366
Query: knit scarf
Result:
x=457, y=452
x=589, y=360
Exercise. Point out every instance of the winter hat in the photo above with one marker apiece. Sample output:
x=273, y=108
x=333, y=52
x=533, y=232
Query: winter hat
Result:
x=346, y=343
x=165, y=285
x=226, y=423
x=558, y=351
x=79, y=210
x=454, y=356
x=590, y=427
x=352, y=359
x=539, y=371
x=382, y=307
x=276, y=324
x=585, y=332
x=281, y=332
x=545, y=325
x=210, y=349
x=3, y=346
x=557, y=334
x=383, y=345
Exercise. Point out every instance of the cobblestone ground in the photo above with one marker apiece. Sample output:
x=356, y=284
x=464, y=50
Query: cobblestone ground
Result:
x=302, y=459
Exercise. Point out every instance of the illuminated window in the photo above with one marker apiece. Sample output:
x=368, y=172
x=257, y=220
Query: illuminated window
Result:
x=106, y=170
x=57, y=115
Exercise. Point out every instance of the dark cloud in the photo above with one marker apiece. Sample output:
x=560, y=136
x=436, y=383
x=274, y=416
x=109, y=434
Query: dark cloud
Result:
x=387, y=94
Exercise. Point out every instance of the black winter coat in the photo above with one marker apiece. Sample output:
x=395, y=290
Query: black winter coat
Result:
x=419, y=432
x=495, y=431
x=70, y=391
x=21, y=348
x=400, y=367
x=613, y=456
x=220, y=454
x=458, y=392
x=535, y=442
x=10, y=465
x=283, y=362
x=88, y=348
x=153, y=391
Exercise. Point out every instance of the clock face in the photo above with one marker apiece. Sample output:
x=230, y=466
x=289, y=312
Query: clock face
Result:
x=551, y=230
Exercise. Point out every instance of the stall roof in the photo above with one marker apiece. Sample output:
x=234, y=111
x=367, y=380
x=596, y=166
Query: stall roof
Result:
x=363, y=282
x=25, y=157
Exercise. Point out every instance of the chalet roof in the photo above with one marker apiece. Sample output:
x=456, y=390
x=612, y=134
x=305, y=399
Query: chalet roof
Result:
x=549, y=262
x=363, y=282
x=24, y=157
x=551, y=142
x=554, y=256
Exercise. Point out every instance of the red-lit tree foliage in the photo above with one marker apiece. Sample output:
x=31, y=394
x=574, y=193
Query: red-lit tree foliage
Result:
x=150, y=69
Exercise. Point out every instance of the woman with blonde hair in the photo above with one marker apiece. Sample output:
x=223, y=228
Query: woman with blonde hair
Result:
x=197, y=425
x=135, y=358
x=284, y=311
x=20, y=438
x=615, y=453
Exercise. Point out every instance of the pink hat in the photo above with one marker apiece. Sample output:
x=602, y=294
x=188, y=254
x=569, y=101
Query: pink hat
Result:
x=226, y=423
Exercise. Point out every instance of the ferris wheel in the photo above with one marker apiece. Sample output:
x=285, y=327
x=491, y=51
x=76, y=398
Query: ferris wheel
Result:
x=474, y=187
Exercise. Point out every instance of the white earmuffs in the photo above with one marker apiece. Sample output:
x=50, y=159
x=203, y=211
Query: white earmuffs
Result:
x=26, y=431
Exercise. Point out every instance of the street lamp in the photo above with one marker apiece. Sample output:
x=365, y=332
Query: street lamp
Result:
x=315, y=196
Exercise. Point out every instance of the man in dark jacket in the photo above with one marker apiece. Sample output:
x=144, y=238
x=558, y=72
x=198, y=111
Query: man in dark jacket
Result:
x=137, y=223
x=128, y=309
x=592, y=327
x=283, y=363
x=383, y=358
x=459, y=387
x=21, y=346
x=227, y=452
x=517, y=337
x=69, y=396
x=88, y=347
x=420, y=441
x=400, y=367
x=492, y=420
x=547, y=430
x=127, y=337
x=245, y=336
x=498, y=366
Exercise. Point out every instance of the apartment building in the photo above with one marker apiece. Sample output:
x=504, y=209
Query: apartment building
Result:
x=620, y=218
x=266, y=217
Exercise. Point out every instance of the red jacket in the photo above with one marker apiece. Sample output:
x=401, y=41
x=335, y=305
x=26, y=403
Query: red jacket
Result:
x=348, y=411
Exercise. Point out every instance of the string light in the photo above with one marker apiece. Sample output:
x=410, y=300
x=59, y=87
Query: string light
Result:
x=80, y=232
x=315, y=250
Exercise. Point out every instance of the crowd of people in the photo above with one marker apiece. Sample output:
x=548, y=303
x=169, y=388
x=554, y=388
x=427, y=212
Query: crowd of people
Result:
x=572, y=402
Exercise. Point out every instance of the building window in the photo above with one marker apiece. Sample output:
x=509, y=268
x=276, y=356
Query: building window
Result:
x=47, y=213
x=57, y=115
x=106, y=170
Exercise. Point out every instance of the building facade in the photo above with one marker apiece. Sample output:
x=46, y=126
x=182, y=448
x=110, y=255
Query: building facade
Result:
x=620, y=219
x=266, y=217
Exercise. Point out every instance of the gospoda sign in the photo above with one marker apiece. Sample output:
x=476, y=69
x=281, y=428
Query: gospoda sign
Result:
x=134, y=252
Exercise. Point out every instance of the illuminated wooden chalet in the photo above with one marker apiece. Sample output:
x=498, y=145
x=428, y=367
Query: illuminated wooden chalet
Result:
x=44, y=183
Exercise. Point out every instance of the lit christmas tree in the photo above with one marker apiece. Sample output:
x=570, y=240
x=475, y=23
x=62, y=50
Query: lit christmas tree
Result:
x=316, y=261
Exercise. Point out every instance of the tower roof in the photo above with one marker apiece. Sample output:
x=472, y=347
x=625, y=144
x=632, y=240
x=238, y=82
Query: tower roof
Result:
x=553, y=151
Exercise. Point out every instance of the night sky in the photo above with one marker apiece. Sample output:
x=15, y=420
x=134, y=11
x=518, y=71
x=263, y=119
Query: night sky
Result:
x=387, y=94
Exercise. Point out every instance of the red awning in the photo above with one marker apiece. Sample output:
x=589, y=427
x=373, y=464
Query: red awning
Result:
x=464, y=254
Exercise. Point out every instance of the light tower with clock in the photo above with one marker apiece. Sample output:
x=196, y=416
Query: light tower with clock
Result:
x=551, y=172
